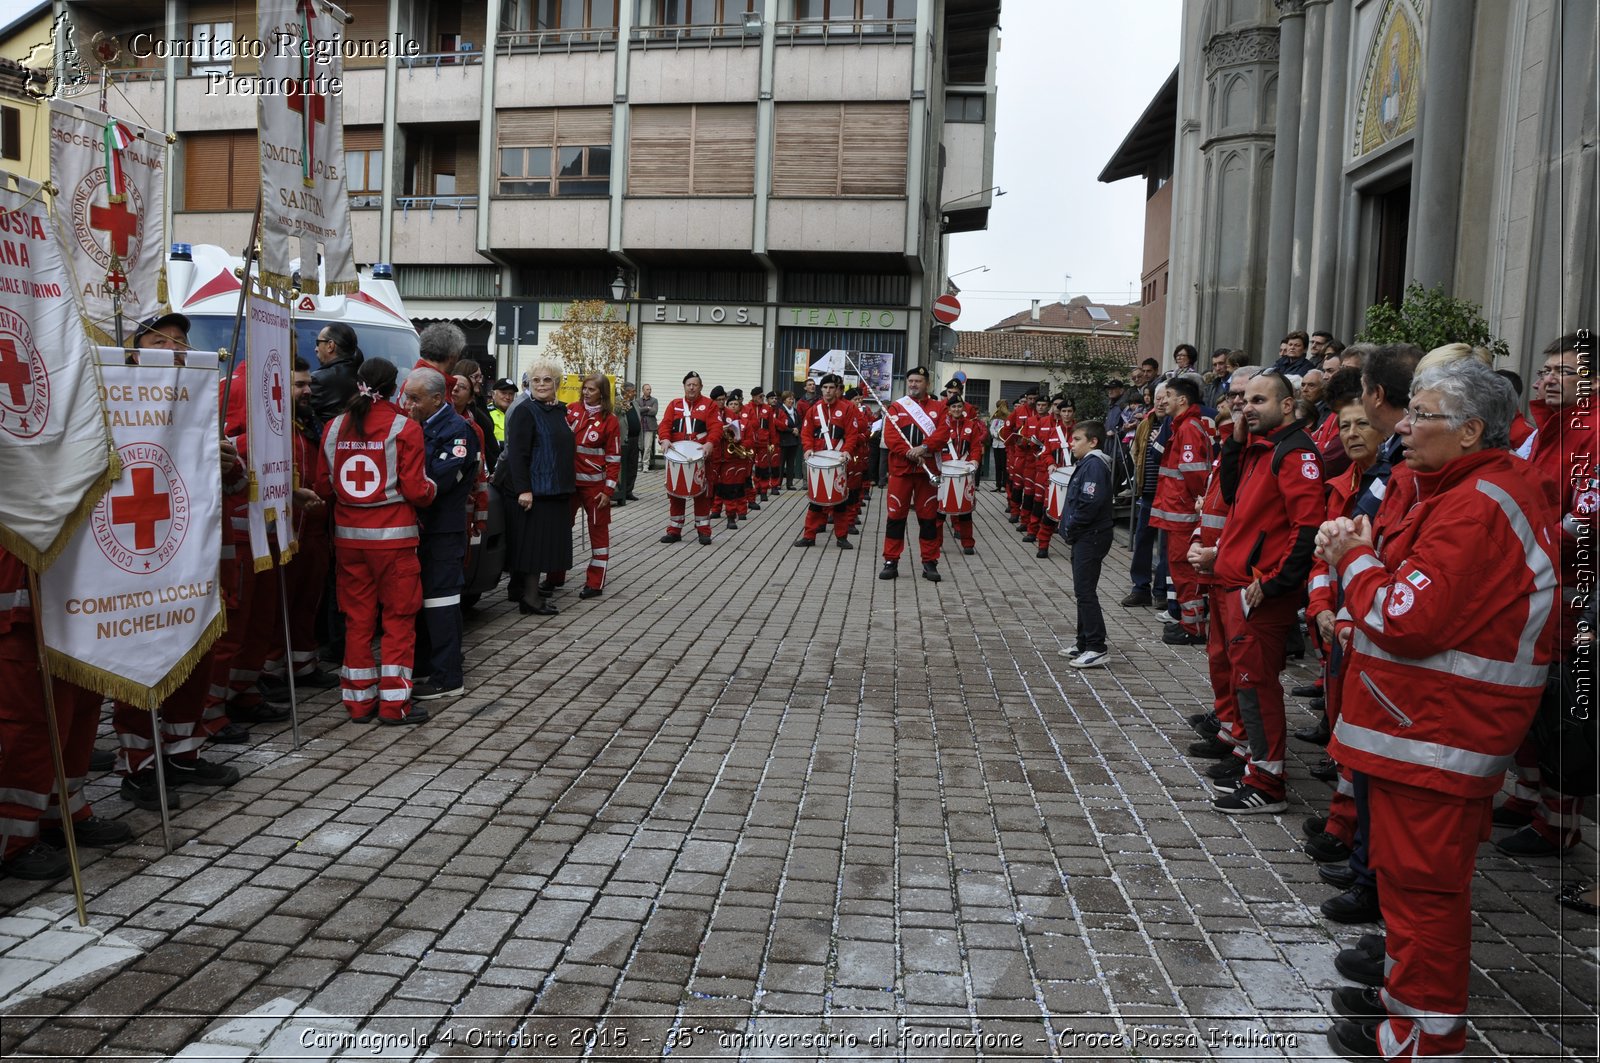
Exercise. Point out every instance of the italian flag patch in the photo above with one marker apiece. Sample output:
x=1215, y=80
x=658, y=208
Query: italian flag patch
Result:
x=1417, y=579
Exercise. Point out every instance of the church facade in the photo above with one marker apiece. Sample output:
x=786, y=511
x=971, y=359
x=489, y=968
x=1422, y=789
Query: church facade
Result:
x=1329, y=152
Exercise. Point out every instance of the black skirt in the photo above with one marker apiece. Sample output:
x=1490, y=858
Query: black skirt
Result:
x=541, y=537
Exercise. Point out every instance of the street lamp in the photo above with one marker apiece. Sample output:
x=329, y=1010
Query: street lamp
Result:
x=953, y=276
x=619, y=286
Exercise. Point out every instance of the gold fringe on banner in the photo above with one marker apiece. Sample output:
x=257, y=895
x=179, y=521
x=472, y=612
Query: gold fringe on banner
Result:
x=284, y=282
x=123, y=689
x=342, y=287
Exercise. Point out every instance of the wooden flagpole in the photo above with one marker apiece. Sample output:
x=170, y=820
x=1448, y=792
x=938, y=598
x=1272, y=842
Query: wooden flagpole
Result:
x=55, y=748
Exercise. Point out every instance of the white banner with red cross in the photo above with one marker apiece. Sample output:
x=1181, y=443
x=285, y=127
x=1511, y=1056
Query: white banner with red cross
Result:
x=56, y=457
x=133, y=603
x=112, y=205
x=303, y=198
x=270, y=430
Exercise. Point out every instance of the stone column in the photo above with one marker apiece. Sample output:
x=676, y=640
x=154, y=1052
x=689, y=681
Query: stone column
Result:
x=1285, y=166
x=1441, y=145
x=1308, y=164
x=1331, y=149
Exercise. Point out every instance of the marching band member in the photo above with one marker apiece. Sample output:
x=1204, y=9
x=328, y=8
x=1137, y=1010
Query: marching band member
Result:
x=599, y=465
x=1016, y=455
x=916, y=429
x=736, y=459
x=765, y=446
x=830, y=424
x=967, y=437
x=1035, y=432
x=1058, y=453
x=692, y=418
x=719, y=396
x=372, y=468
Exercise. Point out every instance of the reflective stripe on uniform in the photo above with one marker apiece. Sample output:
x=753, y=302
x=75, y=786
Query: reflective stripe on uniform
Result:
x=1180, y=518
x=12, y=795
x=1423, y=754
x=1194, y=466
x=1463, y=664
x=1434, y=1023
x=358, y=675
x=399, y=694
x=1320, y=581
x=1358, y=566
x=375, y=534
x=1212, y=520
x=440, y=603
x=17, y=599
x=395, y=671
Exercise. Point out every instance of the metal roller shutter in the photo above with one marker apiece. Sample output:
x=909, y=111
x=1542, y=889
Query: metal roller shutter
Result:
x=721, y=354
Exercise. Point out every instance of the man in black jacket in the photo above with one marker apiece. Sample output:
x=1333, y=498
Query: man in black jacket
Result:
x=334, y=384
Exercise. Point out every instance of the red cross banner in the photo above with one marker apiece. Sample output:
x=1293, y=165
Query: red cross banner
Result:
x=303, y=198
x=112, y=203
x=133, y=602
x=270, y=426
x=56, y=457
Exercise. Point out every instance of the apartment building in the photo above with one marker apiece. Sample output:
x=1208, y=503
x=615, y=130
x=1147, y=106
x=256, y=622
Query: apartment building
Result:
x=748, y=180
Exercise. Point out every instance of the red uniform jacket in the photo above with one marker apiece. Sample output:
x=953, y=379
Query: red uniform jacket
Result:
x=16, y=607
x=599, y=442
x=912, y=434
x=1273, y=519
x=376, y=477
x=1213, y=516
x=1343, y=490
x=1564, y=454
x=1056, y=440
x=1447, y=667
x=700, y=421
x=1182, y=475
x=831, y=426
x=967, y=437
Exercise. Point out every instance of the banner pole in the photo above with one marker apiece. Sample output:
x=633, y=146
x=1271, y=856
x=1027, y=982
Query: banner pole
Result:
x=238, y=314
x=161, y=779
x=62, y=793
x=288, y=656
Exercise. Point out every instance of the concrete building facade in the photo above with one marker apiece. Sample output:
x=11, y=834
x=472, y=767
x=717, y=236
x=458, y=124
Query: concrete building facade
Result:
x=1328, y=152
x=752, y=179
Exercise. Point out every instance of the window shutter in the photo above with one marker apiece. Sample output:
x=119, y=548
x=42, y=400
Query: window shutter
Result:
x=583, y=125
x=525, y=129
x=724, y=150
x=872, y=151
x=206, y=161
x=805, y=156
x=245, y=173
x=659, y=149
x=467, y=166
x=363, y=138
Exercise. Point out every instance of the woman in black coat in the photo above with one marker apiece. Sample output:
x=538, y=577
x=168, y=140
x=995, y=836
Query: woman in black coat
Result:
x=540, y=461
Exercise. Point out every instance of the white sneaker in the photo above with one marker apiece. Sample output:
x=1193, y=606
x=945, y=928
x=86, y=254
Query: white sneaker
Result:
x=1070, y=654
x=1090, y=659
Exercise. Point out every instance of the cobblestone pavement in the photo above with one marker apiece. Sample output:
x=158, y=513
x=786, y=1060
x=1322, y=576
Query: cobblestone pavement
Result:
x=753, y=803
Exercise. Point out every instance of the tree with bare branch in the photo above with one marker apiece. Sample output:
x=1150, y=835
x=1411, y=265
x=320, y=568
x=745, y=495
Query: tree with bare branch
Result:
x=593, y=337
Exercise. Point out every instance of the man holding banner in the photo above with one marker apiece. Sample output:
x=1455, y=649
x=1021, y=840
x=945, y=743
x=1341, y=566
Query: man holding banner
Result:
x=914, y=429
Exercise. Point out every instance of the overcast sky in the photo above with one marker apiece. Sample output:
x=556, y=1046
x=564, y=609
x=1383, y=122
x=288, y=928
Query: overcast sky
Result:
x=1072, y=77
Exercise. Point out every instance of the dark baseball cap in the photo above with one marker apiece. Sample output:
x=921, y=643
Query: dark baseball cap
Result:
x=504, y=384
x=161, y=321
x=1114, y=384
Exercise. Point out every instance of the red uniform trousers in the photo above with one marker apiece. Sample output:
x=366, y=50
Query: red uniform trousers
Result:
x=1557, y=817
x=1424, y=848
x=1037, y=486
x=306, y=576
x=818, y=517
x=858, y=489
x=587, y=498
x=733, y=490
x=182, y=731
x=1255, y=657
x=1224, y=704
x=1186, y=583
x=28, y=794
x=255, y=630
x=1019, y=464
x=908, y=493
x=702, y=513
x=767, y=472
x=1342, y=803
x=370, y=581
x=961, y=530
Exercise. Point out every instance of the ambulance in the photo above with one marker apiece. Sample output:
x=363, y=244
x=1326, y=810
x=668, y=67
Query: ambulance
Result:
x=203, y=285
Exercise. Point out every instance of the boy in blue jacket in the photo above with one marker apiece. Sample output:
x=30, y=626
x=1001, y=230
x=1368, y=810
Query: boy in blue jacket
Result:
x=1086, y=519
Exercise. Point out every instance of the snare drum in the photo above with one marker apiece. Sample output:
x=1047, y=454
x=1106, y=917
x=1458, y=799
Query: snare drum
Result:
x=686, y=469
x=827, y=477
x=958, y=487
x=1056, y=497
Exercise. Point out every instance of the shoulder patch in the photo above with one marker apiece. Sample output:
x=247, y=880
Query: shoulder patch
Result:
x=1401, y=599
x=1310, y=470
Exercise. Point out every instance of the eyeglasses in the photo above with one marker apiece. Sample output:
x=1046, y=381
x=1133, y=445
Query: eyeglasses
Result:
x=1416, y=416
x=1556, y=370
x=323, y=339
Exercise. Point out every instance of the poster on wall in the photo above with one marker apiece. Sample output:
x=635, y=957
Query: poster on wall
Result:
x=876, y=369
x=802, y=364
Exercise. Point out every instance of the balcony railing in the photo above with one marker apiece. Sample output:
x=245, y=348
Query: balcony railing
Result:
x=130, y=74
x=860, y=31
x=435, y=60
x=542, y=42
x=738, y=32
x=435, y=204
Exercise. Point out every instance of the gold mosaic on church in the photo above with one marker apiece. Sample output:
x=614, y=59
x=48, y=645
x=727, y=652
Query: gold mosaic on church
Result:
x=1393, y=79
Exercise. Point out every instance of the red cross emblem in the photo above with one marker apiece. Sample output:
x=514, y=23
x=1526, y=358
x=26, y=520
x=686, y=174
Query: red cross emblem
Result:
x=144, y=508
x=359, y=475
x=117, y=220
x=277, y=389
x=14, y=374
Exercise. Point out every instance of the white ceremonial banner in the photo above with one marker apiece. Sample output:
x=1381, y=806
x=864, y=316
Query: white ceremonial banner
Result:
x=133, y=603
x=270, y=426
x=112, y=203
x=300, y=119
x=56, y=458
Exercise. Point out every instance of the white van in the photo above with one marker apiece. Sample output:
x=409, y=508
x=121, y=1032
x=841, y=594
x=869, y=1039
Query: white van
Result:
x=203, y=285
